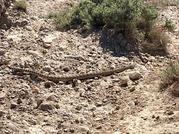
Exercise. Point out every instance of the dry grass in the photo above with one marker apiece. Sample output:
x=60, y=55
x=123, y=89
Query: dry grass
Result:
x=170, y=75
x=157, y=41
x=21, y=5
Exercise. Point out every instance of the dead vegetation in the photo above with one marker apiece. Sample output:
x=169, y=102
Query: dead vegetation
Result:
x=170, y=75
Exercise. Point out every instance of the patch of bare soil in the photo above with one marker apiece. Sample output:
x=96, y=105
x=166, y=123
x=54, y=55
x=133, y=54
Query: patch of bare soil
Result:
x=129, y=102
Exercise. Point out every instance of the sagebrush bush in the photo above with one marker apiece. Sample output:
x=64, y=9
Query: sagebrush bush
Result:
x=133, y=18
x=21, y=5
x=170, y=75
x=169, y=24
x=157, y=41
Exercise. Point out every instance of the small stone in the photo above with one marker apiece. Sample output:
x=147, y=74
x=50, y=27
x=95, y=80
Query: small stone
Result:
x=78, y=107
x=2, y=95
x=46, y=106
x=39, y=101
x=124, y=81
x=35, y=53
x=34, y=17
x=1, y=113
x=132, y=89
x=47, y=84
x=29, y=28
x=47, y=68
x=66, y=69
x=47, y=45
x=170, y=112
x=117, y=107
x=131, y=104
x=98, y=104
x=21, y=23
x=71, y=130
x=92, y=107
x=2, y=52
x=135, y=76
x=99, y=127
x=84, y=129
x=13, y=105
x=51, y=97
x=117, y=132
x=48, y=39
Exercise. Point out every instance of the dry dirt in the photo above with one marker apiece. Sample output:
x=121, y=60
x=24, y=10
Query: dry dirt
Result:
x=99, y=105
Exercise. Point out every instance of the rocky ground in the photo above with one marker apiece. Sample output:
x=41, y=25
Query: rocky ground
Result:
x=129, y=102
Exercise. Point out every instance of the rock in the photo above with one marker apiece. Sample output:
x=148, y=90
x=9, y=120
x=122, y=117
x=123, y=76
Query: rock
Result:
x=98, y=104
x=84, y=129
x=131, y=104
x=169, y=112
x=4, y=60
x=47, y=45
x=123, y=81
x=132, y=89
x=78, y=107
x=35, y=53
x=51, y=97
x=49, y=39
x=13, y=105
x=92, y=107
x=66, y=69
x=2, y=95
x=1, y=113
x=2, y=52
x=46, y=106
x=34, y=17
x=117, y=132
x=135, y=76
x=47, y=68
x=21, y=23
x=29, y=28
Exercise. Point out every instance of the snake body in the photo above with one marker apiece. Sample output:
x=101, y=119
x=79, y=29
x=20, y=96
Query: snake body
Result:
x=72, y=77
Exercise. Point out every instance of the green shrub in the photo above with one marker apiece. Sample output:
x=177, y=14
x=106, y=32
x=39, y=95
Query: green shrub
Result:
x=133, y=18
x=169, y=24
x=170, y=75
x=21, y=5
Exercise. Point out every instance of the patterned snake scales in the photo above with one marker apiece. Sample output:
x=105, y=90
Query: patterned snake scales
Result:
x=72, y=77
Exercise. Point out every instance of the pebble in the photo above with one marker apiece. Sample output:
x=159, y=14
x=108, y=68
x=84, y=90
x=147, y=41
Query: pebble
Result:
x=84, y=129
x=51, y=97
x=132, y=89
x=2, y=95
x=29, y=28
x=35, y=53
x=135, y=76
x=99, y=103
x=2, y=52
x=46, y=106
x=66, y=69
x=47, y=68
x=48, y=39
x=47, y=45
x=1, y=113
x=117, y=132
x=78, y=107
x=13, y=105
x=123, y=81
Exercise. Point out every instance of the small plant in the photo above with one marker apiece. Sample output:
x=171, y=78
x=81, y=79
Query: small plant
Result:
x=133, y=18
x=170, y=75
x=21, y=5
x=169, y=24
x=157, y=41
